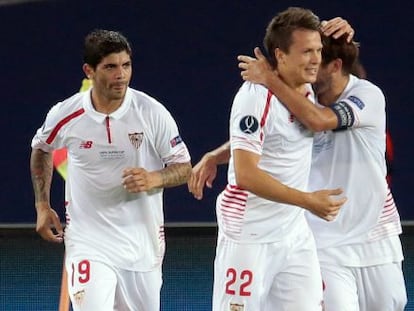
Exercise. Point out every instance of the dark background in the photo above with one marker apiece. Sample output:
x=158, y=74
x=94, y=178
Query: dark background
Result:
x=185, y=56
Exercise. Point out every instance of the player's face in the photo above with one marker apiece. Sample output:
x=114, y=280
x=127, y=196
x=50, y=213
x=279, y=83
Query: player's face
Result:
x=324, y=80
x=112, y=75
x=300, y=65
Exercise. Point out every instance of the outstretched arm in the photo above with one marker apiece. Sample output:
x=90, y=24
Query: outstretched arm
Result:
x=41, y=169
x=205, y=171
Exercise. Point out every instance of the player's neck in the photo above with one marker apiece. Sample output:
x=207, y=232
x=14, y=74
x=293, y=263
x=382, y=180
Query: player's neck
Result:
x=298, y=87
x=103, y=104
x=335, y=91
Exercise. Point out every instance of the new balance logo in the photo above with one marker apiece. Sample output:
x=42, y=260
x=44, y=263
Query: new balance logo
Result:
x=87, y=144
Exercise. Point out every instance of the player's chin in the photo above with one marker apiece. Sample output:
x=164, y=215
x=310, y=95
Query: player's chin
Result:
x=118, y=94
x=310, y=78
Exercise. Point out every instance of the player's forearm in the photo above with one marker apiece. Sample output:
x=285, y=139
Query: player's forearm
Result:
x=175, y=174
x=250, y=177
x=41, y=169
x=221, y=155
x=311, y=116
x=265, y=186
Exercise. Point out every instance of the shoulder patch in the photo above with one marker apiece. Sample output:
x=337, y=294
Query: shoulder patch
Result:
x=249, y=124
x=175, y=141
x=359, y=103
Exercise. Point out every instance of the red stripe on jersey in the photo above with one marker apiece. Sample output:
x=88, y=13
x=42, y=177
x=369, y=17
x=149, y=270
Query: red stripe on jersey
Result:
x=108, y=129
x=389, y=221
x=161, y=233
x=232, y=192
x=61, y=123
x=233, y=207
x=389, y=204
x=233, y=203
x=266, y=111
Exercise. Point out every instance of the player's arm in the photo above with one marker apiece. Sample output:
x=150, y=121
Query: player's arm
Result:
x=337, y=27
x=205, y=171
x=41, y=169
x=313, y=117
x=138, y=179
x=172, y=151
x=250, y=177
x=175, y=174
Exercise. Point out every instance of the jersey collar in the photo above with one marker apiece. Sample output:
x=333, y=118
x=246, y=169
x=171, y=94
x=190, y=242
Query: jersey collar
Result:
x=100, y=117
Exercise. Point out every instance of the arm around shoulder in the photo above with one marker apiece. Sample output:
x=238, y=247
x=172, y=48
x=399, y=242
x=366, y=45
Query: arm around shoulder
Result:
x=315, y=118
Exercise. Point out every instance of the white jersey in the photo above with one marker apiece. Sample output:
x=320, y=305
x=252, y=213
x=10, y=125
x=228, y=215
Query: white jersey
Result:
x=353, y=159
x=104, y=221
x=261, y=124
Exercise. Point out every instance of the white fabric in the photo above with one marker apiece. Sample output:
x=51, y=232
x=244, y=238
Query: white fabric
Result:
x=94, y=285
x=353, y=160
x=282, y=275
x=360, y=251
x=284, y=146
x=266, y=255
x=372, y=288
x=366, y=254
x=104, y=221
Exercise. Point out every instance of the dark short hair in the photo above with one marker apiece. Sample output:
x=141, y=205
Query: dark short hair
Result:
x=340, y=48
x=100, y=43
x=280, y=29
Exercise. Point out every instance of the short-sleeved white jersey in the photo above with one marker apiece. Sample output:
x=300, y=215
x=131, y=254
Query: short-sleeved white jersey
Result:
x=353, y=159
x=104, y=221
x=260, y=123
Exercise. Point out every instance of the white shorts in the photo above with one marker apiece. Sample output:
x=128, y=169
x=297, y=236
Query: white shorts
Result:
x=94, y=285
x=267, y=276
x=374, y=288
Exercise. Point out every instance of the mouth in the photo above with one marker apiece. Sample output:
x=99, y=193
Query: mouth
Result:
x=119, y=86
x=312, y=71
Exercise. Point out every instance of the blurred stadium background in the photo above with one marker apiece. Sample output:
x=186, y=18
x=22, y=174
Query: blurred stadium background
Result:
x=185, y=56
x=31, y=270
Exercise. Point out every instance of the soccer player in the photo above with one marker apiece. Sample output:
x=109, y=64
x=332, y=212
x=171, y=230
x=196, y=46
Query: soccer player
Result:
x=360, y=252
x=266, y=255
x=123, y=149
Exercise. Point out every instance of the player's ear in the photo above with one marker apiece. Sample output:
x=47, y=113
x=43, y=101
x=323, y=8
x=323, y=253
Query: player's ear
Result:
x=337, y=65
x=88, y=70
x=280, y=56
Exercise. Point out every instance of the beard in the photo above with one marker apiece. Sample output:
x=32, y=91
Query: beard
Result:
x=322, y=85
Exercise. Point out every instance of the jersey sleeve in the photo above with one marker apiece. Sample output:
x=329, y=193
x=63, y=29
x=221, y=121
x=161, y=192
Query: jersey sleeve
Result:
x=362, y=107
x=42, y=135
x=246, y=114
x=167, y=139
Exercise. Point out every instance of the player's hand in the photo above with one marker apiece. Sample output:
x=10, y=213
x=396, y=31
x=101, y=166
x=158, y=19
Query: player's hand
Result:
x=336, y=27
x=256, y=70
x=326, y=203
x=48, y=224
x=138, y=179
x=202, y=174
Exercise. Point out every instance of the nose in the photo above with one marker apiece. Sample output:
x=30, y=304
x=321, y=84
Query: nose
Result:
x=316, y=57
x=120, y=73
